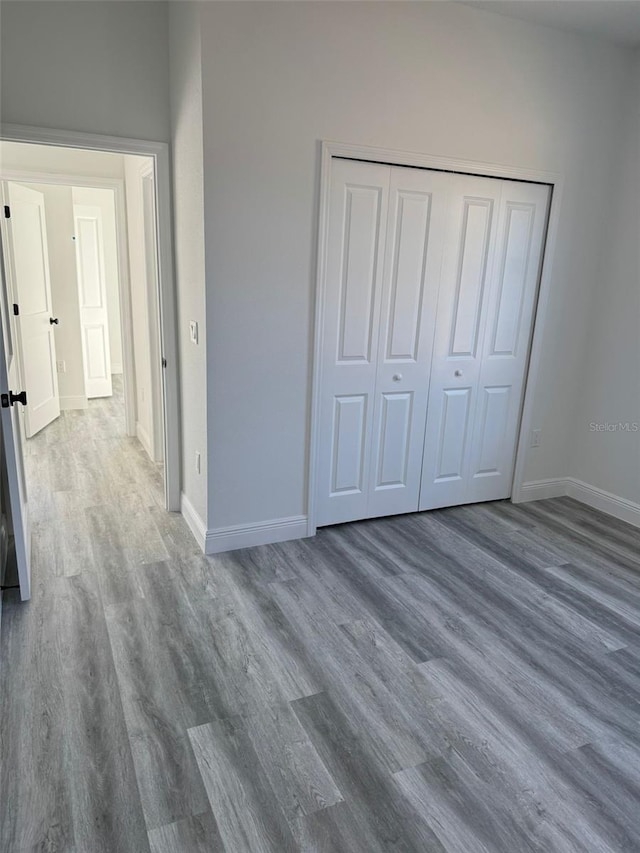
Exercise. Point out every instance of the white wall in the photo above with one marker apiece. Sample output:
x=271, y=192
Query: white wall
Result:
x=139, y=303
x=188, y=206
x=58, y=205
x=440, y=78
x=610, y=379
x=20, y=156
x=105, y=200
x=97, y=67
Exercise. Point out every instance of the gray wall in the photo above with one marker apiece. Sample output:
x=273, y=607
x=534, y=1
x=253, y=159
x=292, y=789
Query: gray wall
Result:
x=99, y=67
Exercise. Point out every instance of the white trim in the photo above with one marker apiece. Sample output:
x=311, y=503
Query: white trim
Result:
x=428, y=161
x=194, y=522
x=593, y=496
x=249, y=535
x=614, y=505
x=73, y=402
x=143, y=437
x=540, y=490
x=160, y=153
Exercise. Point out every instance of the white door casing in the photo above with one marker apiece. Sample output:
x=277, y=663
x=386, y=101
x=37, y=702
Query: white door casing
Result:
x=491, y=267
x=18, y=508
x=92, y=295
x=28, y=273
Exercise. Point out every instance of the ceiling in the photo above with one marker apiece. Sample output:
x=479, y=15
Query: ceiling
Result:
x=616, y=21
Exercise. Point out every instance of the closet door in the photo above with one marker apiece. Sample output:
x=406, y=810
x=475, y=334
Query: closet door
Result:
x=491, y=264
x=354, y=272
x=415, y=231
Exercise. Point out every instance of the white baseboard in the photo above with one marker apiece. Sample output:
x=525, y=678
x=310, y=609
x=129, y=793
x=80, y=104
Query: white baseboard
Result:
x=607, y=502
x=539, y=490
x=263, y=533
x=77, y=402
x=143, y=437
x=195, y=523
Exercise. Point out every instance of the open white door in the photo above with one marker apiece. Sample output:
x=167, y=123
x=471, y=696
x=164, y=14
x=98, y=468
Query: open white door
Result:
x=92, y=293
x=28, y=271
x=18, y=507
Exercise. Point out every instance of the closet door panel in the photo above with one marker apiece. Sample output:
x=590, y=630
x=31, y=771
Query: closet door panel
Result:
x=510, y=305
x=415, y=232
x=469, y=247
x=350, y=337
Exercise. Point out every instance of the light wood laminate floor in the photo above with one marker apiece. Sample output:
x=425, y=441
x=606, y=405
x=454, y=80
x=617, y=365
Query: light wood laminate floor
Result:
x=465, y=680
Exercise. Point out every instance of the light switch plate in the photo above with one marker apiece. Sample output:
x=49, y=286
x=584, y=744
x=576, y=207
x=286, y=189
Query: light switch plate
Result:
x=193, y=331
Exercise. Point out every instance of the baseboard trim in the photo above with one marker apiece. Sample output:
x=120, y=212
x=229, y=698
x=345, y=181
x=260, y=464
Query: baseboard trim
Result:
x=74, y=402
x=143, y=437
x=248, y=535
x=539, y=490
x=607, y=502
x=195, y=524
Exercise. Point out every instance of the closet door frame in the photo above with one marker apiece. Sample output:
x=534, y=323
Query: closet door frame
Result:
x=393, y=157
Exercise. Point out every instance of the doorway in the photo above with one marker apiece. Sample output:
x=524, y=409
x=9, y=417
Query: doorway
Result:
x=85, y=244
x=427, y=291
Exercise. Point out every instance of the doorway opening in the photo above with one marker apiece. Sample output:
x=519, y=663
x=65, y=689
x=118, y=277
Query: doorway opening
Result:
x=85, y=273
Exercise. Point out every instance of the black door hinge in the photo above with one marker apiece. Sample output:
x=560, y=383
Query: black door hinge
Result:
x=9, y=399
x=164, y=362
x=7, y=212
x=16, y=309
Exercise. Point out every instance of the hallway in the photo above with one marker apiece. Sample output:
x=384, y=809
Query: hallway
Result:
x=460, y=680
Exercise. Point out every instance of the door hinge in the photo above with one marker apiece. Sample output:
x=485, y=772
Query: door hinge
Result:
x=16, y=308
x=164, y=362
x=9, y=399
x=7, y=212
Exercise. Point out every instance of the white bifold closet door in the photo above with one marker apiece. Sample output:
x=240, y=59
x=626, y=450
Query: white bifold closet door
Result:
x=488, y=285
x=430, y=284
x=377, y=337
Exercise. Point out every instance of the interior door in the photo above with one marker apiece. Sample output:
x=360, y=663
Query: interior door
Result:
x=413, y=255
x=12, y=443
x=92, y=294
x=492, y=258
x=28, y=261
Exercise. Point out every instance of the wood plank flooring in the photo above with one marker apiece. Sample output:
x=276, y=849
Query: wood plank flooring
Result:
x=460, y=681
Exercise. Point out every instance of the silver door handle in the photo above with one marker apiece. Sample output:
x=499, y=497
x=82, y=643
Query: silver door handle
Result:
x=397, y=377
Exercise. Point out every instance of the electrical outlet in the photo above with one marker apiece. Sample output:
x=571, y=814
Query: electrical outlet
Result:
x=61, y=366
x=197, y=462
x=193, y=331
x=535, y=438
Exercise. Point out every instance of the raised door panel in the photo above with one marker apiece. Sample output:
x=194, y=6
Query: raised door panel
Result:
x=89, y=266
x=358, y=279
x=96, y=352
x=452, y=435
x=506, y=319
x=471, y=275
x=356, y=233
x=394, y=437
x=408, y=275
x=32, y=264
x=348, y=440
x=492, y=431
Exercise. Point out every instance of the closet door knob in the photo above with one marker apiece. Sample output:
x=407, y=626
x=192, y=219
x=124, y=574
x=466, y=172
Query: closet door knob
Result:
x=457, y=373
x=397, y=377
